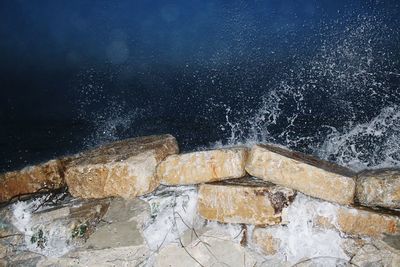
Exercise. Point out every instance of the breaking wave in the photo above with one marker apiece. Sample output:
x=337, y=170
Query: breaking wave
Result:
x=340, y=105
x=339, y=101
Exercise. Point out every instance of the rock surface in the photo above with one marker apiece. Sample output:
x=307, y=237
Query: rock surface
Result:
x=125, y=168
x=40, y=178
x=364, y=222
x=311, y=176
x=376, y=253
x=108, y=257
x=121, y=226
x=247, y=201
x=33, y=229
x=265, y=241
x=213, y=248
x=203, y=166
x=379, y=188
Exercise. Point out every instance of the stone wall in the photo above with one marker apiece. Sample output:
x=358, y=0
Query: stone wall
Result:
x=127, y=204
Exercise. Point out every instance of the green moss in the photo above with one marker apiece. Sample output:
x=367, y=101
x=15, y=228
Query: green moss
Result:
x=39, y=238
x=80, y=230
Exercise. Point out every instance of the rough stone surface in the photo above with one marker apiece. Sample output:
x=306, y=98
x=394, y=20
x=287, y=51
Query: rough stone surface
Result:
x=213, y=248
x=32, y=179
x=203, y=166
x=379, y=188
x=51, y=231
x=246, y=200
x=364, y=222
x=367, y=222
x=376, y=253
x=125, y=168
x=111, y=257
x=309, y=175
x=121, y=226
x=265, y=241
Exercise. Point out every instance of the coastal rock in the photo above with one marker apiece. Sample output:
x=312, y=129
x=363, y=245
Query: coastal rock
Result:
x=379, y=188
x=265, y=241
x=376, y=253
x=33, y=179
x=41, y=229
x=367, y=222
x=125, y=168
x=108, y=257
x=364, y=222
x=309, y=175
x=203, y=166
x=247, y=201
x=121, y=226
x=213, y=248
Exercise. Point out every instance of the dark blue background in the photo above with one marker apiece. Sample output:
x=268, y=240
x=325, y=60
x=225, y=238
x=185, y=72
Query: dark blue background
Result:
x=70, y=67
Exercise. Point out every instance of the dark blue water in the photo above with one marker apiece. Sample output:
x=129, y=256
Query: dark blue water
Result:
x=317, y=76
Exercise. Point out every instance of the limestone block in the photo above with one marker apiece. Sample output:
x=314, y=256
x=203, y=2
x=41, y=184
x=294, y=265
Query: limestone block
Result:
x=121, y=225
x=245, y=201
x=213, y=248
x=125, y=168
x=379, y=188
x=203, y=166
x=39, y=178
x=309, y=175
x=265, y=241
x=359, y=221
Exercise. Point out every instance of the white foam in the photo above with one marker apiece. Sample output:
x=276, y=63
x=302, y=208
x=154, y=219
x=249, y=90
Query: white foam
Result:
x=300, y=240
x=174, y=210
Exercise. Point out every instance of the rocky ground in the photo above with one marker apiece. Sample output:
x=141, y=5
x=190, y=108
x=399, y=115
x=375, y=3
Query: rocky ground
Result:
x=137, y=202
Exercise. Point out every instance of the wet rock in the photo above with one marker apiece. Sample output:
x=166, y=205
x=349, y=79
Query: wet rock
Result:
x=246, y=200
x=379, y=188
x=203, y=166
x=376, y=253
x=121, y=226
x=265, y=241
x=101, y=232
x=364, y=222
x=49, y=231
x=125, y=168
x=309, y=175
x=111, y=257
x=23, y=259
x=33, y=179
x=367, y=222
x=213, y=248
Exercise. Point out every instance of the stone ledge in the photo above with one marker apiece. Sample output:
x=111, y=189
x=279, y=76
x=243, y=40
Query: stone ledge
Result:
x=126, y=168
x=244, y=201
x=360, y=221
x=32, y=179
x=379, y=188
x=309, y=175
x=203, y=166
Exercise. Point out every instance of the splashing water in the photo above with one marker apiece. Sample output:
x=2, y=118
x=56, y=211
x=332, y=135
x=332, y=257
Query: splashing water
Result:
x=329, y=106
x=110, y=124
x=109, y=119
x=374, y=144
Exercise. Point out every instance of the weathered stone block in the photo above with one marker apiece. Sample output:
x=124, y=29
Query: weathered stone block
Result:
x=309, y=175
x=245, y=201
x=203, y=166
x=40, y=178
x=363, y=222
x=125, y=168
x=379, y=188
x=367, y=222
x=265, y=241
x=121, y=225
x=213, y=248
